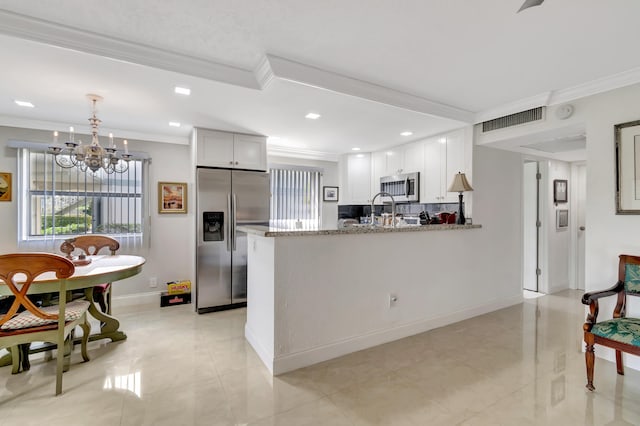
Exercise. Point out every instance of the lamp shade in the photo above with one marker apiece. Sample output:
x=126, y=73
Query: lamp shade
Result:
x=460, y=183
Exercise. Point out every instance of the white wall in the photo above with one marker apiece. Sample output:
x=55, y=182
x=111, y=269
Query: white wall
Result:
x=556, y=264
x=608, y=234
x=330, y=177
x=331, y=292
x=170, y=251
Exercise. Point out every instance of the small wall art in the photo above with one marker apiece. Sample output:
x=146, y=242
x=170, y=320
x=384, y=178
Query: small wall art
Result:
x=562, y=219
x=330, y=193
x=560, y=191
x=172, y=197
x=5, y=186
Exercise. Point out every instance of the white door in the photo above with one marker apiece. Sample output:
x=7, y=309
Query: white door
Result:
x=530, y=226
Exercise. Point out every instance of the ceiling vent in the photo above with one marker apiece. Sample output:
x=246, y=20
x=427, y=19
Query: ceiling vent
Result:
x=535, y=114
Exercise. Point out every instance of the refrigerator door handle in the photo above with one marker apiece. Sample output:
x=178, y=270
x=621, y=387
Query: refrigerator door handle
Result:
x=229, y=222
x=233, y=224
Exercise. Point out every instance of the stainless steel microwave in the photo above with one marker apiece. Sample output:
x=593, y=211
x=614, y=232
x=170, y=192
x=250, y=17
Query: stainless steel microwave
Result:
x=404, y=187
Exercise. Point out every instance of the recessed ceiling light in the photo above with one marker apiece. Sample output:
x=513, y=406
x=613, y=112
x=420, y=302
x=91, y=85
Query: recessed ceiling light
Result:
x=407, y=133
x=174, y=124
x=443, y=140
x=182, y=90
x=24, y=104
x=312, y=116
x=355, y=148
x=360, y=155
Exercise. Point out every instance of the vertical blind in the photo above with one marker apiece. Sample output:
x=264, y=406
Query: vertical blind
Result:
x=68, y=201
x=295, y=199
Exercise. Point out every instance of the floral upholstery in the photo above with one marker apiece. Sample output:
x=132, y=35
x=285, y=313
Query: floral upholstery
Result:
x=632, y=278
x=25, y=319
x=623, y=330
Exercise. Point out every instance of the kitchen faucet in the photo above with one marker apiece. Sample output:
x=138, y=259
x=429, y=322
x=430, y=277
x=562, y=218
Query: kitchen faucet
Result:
x=393, y=208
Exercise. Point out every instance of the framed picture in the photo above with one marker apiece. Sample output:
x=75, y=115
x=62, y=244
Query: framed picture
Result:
x=560, y=191
x=330, y=193
x=5, y=186
x=172, y=197
x=627, y=150
x=562, y=219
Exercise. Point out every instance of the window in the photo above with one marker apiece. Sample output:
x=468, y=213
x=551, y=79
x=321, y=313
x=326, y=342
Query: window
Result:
x=295, y=198
x=59, y=201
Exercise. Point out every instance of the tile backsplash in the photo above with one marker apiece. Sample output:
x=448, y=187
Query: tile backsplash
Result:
x=356, y=211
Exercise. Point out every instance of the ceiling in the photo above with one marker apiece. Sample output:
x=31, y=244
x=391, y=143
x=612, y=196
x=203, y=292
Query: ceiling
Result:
x=371, y=68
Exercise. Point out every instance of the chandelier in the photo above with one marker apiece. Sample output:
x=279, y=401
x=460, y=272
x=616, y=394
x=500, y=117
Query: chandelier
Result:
x=93, y=156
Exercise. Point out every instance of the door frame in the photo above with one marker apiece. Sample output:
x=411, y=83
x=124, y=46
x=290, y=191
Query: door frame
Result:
x=574, y=262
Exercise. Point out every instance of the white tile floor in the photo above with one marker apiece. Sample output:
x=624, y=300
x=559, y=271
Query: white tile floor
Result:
x=518, y=366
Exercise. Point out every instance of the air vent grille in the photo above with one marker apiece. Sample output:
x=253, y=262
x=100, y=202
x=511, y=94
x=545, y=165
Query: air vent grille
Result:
x=523, y=117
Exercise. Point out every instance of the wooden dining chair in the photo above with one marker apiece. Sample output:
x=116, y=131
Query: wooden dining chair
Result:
x=91, y=246
x=25, y=322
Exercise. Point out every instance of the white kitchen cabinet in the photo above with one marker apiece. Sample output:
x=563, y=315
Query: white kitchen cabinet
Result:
x=378, y=170
x=223, y=149
x=413, y=155
x=395, y=161
x=356, y=188
x=430, y=179
x=443, y=158
x=250, y=152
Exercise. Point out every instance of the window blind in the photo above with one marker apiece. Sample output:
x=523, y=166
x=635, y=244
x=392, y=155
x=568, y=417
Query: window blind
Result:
x=67, y=201
x=295, y=199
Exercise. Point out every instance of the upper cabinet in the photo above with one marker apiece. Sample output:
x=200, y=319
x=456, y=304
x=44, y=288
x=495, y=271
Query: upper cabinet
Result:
x=356, y=182
x=230, y=150
x=437, y=159
x=413, y=155
x=250, y=152
x=407, y=158
x=444, y=156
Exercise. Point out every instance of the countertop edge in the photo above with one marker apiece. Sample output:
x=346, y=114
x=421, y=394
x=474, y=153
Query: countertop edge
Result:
x=265, y=231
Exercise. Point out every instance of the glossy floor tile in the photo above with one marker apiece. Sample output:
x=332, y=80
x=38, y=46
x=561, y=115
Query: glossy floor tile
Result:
x=522, y=365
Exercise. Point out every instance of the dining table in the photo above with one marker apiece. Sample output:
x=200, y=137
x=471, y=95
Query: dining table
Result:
x=89, y=272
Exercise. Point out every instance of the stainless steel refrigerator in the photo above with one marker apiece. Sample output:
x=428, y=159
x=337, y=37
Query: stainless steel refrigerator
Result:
x=226, y=199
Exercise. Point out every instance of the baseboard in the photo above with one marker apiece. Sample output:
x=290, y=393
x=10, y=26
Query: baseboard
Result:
x=149, y=298
x=559, y=288
x=290, y=362
x=263, y=353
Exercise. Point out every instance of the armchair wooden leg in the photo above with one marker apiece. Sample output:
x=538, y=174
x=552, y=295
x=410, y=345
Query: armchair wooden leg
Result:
x=619, y=365
x=589, y=357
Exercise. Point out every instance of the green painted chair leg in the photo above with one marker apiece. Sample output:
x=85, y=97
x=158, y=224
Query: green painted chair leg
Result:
x=15, y=359
x=86, y=330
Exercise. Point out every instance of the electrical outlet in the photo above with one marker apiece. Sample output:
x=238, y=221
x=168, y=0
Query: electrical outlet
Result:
x=393, y=300
x=153, y=282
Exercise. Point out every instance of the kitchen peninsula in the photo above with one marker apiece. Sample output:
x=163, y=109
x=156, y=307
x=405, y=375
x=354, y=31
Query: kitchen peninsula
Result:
x=317, y=295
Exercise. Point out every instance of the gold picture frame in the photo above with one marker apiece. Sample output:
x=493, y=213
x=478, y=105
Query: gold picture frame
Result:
x=5, y=186
x=172, y=197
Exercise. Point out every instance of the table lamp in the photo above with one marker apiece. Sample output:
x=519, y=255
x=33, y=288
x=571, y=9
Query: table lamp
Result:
x=460, y=184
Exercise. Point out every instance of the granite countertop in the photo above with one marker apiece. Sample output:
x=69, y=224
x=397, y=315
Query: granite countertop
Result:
x=266, y=231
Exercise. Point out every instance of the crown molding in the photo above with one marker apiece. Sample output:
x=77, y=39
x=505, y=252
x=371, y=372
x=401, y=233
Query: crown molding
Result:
x=286, y=151
x=51, y=33
x=315, y=77
x=556, y=97
x=605, y=84
x=51, y=126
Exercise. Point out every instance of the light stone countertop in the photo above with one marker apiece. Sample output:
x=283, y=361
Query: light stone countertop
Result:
x=266, y=231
